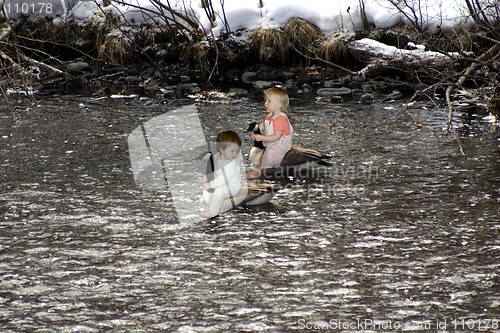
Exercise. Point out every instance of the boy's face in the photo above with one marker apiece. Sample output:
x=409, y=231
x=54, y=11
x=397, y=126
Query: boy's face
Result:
x=231, y=151
x=272, y=103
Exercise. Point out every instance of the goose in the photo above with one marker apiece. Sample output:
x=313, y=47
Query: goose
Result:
x=250, y=194
x=296, y=157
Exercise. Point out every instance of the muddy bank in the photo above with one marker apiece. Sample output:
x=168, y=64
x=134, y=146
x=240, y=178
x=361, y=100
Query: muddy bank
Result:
x=103, y=58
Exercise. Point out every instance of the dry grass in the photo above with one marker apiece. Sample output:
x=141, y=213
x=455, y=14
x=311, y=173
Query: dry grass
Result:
x=270, y=44
x=111, y=43
x=44, y=36
x=335, y=49
x=192, y=52
x=461, y=41
x=116, y=48
x=160, y=34
x=99, y=25
x=303, y=35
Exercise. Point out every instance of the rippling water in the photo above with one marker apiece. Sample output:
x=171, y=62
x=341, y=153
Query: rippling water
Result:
x=401, y=234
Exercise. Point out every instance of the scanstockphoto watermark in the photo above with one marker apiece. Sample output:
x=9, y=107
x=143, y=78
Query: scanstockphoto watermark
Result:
x=170, y=153
x=383, y=325
x=162, y=156
x=362, y=172
x=356, y=325
x=324, y=188
x=329, y=181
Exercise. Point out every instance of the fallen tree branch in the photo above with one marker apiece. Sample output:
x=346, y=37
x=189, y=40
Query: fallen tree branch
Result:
x=7, y=58
x=42, y=64
x=23, y=57
x=460, y=144
x=383, y=57
x=11, y=28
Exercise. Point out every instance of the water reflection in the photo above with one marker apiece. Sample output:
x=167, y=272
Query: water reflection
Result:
x=403, y=228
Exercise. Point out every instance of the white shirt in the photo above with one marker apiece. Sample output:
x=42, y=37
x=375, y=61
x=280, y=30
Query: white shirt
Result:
x=232, y=169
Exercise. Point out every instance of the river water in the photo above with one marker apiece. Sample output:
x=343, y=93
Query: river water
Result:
x=400, y=234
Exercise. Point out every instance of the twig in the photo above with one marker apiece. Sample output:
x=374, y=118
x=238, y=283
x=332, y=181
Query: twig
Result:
x=11, y=107
x=132, y=39
x=42, y=64
x=109, y=75
x=24, y=38
x=30, y=60
x=460, y=145
x=6, y=57
x=13, y=27
x=491, y=53
x=449, y=102
x=322, y=60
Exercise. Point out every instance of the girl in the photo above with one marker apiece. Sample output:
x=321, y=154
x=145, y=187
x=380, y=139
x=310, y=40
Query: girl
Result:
x=227, y=174
x=278, y=131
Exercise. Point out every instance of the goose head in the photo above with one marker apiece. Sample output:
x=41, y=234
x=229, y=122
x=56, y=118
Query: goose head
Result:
x=253, y=127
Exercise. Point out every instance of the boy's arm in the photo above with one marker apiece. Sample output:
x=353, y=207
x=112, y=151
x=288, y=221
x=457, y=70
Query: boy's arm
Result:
x=217, y=181
x=229, y=168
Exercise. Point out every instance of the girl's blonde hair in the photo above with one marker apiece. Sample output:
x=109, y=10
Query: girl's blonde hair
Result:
x=282, y=96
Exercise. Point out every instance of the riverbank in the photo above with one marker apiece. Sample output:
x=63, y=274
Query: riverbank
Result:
x=106, y=58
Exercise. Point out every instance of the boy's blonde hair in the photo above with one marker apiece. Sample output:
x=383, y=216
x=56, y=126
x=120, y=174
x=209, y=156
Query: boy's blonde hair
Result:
x=224, y=139
x=282, y=96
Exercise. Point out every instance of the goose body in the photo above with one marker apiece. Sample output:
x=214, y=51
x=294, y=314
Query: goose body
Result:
x=251, y=194
x=297, y=158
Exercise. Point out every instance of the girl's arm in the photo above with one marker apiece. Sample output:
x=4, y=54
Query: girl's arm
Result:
x=268, y=138
x=280, y=125
x=261, y=126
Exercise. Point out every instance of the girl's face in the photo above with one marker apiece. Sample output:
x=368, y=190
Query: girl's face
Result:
x=231, y=151
x=273, y=103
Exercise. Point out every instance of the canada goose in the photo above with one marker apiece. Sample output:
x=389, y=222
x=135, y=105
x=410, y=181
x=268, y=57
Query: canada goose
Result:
x=251, y=194
x=296, y=155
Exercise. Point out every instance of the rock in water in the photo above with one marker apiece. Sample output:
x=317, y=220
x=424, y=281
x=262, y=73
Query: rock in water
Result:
x=366, y=99
x=334, y=91
x=395, y=95
x=78, y=67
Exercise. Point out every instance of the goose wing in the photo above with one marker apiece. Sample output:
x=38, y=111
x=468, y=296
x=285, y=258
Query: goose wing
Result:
x=299, y=155
x=260, y=193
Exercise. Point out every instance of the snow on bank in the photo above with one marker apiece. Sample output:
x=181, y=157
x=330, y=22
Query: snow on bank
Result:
x=332, y=16
x=329, y=16
x=391, y=51
x=414, y=53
